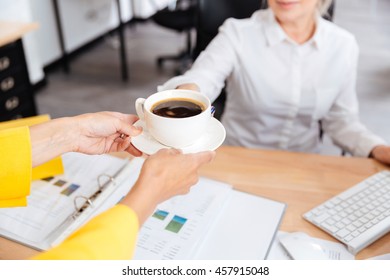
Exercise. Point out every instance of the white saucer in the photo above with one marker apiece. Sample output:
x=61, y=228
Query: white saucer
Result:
x=212, y=139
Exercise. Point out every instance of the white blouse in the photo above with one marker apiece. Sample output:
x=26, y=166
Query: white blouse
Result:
x=277, y=90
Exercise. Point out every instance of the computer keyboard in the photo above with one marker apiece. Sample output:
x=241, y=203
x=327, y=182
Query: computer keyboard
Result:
x=358, y=216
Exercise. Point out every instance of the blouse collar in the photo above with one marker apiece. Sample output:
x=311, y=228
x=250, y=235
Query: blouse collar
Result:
x=275, y=34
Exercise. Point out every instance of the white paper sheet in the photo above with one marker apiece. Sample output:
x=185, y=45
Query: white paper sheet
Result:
x=244, y=229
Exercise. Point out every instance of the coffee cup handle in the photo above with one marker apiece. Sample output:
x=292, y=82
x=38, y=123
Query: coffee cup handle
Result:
x=139, y=107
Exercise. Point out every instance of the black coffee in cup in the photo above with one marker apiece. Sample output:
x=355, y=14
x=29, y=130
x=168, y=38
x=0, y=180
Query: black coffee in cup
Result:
x=178, y=108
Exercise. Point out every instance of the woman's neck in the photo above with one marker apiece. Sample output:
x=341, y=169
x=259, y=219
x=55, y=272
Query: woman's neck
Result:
x=300, y=31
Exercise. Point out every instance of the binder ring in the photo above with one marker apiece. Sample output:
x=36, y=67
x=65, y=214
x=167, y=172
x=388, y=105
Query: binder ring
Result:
x=103, y=184
x=80, y=209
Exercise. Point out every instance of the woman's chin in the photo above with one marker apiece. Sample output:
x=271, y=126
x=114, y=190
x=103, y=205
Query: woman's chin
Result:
x=287, y=16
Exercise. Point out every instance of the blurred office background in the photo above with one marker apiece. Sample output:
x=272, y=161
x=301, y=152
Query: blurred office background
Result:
x=95, y=81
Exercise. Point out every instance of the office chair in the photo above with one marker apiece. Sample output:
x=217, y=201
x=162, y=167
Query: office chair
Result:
x=180, y=18
x=210, y=15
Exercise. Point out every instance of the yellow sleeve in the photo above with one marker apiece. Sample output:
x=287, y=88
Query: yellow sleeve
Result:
x=109, y=236
x=15, y=166
x=50, y=168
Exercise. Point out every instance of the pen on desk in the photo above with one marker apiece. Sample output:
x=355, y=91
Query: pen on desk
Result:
x=212, y=111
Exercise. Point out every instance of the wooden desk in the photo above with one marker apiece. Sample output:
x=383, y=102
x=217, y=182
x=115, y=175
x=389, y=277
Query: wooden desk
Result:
x=300, y=180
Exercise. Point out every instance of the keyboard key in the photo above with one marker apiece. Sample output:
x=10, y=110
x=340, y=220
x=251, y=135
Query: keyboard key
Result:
x=329, y=204
x=376, y=203
x=348, y=238
x=355, y=198
x=361, y=204
x=370, y=207
x=368, y=225
x=321, y=218
x=381, y=209
x=321, y=208
x=352, y=217
x=346, y=221
x=343, y=214
x=357, y=224
x=342, y=233
x=340, y=225
x=349, y=210
x=375, y=221
x=330, y=228
x=316, y=211
x=355, y=233
x=351, y=228
x=337, y=218
x=362, y=229
x=330, y=221
x=383, y=190
x=358, y=213
x=344, y=204
x=369, y=216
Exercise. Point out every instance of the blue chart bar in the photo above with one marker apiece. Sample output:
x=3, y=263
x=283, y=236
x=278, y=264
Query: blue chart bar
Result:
x=176, y=224
x=69, y=190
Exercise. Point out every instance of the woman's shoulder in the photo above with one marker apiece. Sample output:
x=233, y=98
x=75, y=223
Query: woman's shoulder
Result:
x=337, y=35
x=254, y=20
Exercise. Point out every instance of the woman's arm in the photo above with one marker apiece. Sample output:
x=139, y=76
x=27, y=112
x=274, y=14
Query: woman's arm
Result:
x=95, y=133
x=213, y=66
x=342, y=121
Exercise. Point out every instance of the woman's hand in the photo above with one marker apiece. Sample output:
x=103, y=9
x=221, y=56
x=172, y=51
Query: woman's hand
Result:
x=105, y=132
x=190, y=86
x=94, y=133
x=165, y=174
x=382, y=154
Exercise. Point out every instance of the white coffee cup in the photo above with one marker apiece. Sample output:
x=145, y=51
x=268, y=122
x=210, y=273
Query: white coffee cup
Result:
x=174, y=132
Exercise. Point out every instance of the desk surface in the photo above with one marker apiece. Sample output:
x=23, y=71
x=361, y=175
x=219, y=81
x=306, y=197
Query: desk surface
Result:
x=11, y=31
x=300, y=180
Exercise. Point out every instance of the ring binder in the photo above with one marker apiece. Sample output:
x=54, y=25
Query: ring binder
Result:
x=53, y=214
x=89, y=200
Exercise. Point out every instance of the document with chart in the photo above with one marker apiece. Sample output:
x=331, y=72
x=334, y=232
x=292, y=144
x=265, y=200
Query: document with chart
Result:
x=178, y=225
x=213, y=221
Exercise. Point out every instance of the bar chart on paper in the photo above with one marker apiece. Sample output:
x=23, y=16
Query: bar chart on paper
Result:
x=176, y=224
x=179, y=224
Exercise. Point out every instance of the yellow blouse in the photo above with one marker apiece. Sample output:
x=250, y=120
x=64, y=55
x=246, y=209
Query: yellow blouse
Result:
x=110, y=235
